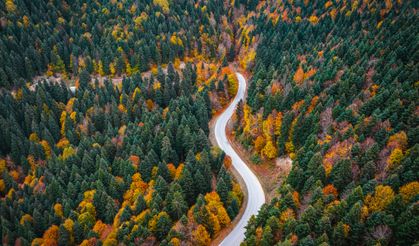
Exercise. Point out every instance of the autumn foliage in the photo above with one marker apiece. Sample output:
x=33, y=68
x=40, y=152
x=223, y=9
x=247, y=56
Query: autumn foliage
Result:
x=330, y=190
x=200, y=236
x=383, y=196
x=349, y=131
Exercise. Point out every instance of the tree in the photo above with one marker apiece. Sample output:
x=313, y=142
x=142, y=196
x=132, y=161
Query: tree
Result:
x=383, y=196
x=405, y=232
x=395, y=158
x=232, y=52
x=140, y=204
x=267, y=237
x=409, y=191
x=233, y=208
x=160, y=225
x=340, y=233
x=269, y=150
x=240, y=112
x=84, y=79
x=222, y=190
x=368, y=171
x=176, y=205
x=87, y=163
x=86, y=220
x=111, y=211
x=341, y=174
x=65, y=237
x=164, y=4
x=161, y=187
x=166, y=150
x=201, y=213
x=201, y=184
x=259, y=143
x=10, y=6
x=299, y=76
x=51, y=235
x=330, y=190
x=187, y=184
x=147, y=165
x=125, y=215
x=200, y=236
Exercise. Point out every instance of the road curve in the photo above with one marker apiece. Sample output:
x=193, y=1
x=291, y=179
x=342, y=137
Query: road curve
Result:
x=255, y=194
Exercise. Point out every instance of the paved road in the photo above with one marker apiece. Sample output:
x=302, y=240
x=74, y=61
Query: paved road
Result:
x=256, y=196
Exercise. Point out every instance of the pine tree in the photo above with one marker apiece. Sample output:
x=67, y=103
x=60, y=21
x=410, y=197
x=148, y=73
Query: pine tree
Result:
x=140, y=204
x=187, y=184
x=84, y=79
x=64, y=238
x=166, y=150
x=176, y=204
x=125, y=215
x=161, y=187
x=163, y=225
x=222, y=190
x=341, y=174
x=200, y=183
x=267, y=238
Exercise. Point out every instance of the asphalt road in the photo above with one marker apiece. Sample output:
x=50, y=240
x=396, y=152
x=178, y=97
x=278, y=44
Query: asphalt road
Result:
x=256, y=196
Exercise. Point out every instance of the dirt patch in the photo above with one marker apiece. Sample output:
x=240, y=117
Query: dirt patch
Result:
x=284, y=164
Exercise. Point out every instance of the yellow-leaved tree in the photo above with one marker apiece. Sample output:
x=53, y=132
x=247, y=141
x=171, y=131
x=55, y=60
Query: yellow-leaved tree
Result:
x=47, y=148
x=268, y=127
x=410, y=190
x=10, y=6
x=395, y=158
x=259, y=143
x=58, y=210
x=247, y=120
x=164, y=4
x=313, y=19
x=278, y=123
x=383, y=196
x=269, y=151
x=215, y=207
x=200, y=236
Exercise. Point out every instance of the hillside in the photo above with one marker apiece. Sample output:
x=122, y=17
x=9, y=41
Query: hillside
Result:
x=124, y=157
x=335, y=88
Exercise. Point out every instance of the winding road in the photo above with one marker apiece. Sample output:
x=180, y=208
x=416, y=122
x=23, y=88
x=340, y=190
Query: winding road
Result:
x=255, y=193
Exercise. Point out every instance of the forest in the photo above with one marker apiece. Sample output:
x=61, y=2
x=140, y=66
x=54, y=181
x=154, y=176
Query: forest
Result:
x=125, y=161
x=335, y=88
x=125, y=157
x=112, y=164
x=110, y=38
